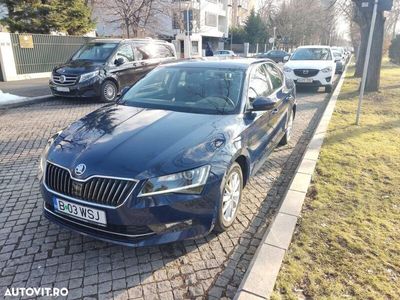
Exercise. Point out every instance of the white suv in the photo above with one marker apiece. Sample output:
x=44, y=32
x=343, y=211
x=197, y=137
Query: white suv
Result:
x=311, y=66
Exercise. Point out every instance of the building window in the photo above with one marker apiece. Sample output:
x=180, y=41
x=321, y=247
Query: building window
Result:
x=211, y=19
x=195, y=47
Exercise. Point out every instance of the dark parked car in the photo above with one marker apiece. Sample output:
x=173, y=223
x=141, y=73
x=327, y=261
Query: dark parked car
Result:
x=340, y=61
x=168, y=161
x=275, y=55
x=104, y=67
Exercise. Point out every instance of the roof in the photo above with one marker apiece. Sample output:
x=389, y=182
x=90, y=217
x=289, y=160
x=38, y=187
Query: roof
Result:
x=314, y=46
x=241, y=63
x=112, y=40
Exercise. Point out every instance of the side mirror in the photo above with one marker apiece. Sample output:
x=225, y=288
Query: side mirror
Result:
x=286, y=58
x=263, y=103
x=119, y=61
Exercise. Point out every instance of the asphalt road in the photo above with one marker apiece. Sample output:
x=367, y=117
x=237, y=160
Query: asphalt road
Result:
x=37, y=253
x=27, y=88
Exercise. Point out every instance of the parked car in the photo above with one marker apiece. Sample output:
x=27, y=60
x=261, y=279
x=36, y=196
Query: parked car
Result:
x=169, y=160
x=275, y=55
x=225, y=53
x=311, y=66
x=340, y=61
x=103, y=67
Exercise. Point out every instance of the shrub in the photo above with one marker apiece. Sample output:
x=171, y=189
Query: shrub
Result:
x=394, y=50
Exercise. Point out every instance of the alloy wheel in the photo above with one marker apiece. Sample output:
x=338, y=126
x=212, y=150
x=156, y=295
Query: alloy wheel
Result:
x=231, y=197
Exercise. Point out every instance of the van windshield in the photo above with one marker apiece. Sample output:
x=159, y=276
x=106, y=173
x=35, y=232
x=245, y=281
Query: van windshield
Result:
x=98, y=52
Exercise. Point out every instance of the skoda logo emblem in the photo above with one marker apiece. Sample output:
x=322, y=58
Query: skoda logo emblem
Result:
x=62, y=78
x=80, y=169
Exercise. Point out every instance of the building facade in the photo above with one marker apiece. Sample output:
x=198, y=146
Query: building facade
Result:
x=240, y=11
x=197, y=23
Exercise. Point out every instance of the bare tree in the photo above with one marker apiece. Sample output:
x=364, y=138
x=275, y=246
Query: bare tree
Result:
x=133, y=15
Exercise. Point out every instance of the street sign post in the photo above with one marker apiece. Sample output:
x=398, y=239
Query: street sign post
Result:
x=366, y=62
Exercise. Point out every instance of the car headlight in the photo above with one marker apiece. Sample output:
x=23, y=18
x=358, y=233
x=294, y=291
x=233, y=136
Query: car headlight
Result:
x=190, y=181
x=88, y=76
x=327, y=70
x=287, y=69
x=43, y=157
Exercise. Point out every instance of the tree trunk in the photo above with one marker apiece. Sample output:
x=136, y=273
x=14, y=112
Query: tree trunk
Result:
x=375, y=61
x=364, y=32
x=127, y=28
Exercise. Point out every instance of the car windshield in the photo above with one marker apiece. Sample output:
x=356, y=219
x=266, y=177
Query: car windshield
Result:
x=337, y=54
x=312, y=54
x=188, y=89
x=99, y=52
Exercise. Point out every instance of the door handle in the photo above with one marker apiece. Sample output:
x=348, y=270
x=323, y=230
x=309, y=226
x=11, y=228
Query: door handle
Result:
x=275, y=111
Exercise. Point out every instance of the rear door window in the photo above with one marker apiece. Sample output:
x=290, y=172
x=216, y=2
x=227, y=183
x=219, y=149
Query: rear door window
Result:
x=275, y=75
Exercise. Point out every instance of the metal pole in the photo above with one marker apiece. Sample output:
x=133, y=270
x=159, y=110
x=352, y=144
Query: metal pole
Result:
x=366, y=62
x=273, y=43
x=231, y=38
x=188, y=31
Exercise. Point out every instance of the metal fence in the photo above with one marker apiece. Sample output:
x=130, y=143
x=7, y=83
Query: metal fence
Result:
x=47, y=52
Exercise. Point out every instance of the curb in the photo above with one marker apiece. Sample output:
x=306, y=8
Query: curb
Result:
x=259, y=280
x=26, y=101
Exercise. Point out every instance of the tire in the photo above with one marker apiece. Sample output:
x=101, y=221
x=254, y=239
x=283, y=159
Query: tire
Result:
x=230, y=201
x=109, y=91
x=288, y=134
x=328, y=89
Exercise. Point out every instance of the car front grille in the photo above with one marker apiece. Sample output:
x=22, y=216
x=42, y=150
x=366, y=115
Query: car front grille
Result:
x=306, y=72
x=99, y=190
x=64, y=79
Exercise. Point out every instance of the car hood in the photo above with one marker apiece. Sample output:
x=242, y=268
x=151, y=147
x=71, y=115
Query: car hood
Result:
x=77, y=67
x=309, y=64
x=140, y=143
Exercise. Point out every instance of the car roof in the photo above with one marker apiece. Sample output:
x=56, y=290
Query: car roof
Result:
x=126, y=40
x=241, y=63
x=314, y=46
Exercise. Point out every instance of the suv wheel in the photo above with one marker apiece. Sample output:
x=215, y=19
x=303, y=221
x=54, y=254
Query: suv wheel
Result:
x=109, y=91
x=328, y=89
x=230, y=200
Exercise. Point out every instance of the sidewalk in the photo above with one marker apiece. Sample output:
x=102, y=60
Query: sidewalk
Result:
x=21, y=92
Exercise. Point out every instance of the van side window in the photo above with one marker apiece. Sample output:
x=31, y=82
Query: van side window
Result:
x=162, y=51
x=141, y=52
x=125, y=51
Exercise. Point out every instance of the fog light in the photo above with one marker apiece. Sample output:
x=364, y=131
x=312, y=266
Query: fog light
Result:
x=328, y=79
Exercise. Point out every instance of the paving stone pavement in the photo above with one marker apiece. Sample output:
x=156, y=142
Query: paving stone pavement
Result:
x=37, y=253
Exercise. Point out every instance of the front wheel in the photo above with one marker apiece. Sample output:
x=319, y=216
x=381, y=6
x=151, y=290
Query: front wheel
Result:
x=230, y=200
x=109, y=91
x=328, y=89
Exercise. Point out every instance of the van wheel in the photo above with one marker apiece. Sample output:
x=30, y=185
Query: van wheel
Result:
x=109, y=91
x=328, y=89
x=230, y=199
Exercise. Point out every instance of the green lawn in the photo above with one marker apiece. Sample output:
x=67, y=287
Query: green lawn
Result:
x=347, y=243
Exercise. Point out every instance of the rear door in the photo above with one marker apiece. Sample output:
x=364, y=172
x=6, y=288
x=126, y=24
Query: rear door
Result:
x=281, y=96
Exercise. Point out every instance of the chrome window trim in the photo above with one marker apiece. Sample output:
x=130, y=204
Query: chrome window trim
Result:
x=93, y=228
x=84, y=180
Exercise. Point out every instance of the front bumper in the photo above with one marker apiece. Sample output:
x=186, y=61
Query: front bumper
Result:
x=321, y=79
x=145, y=221
x=87, y=89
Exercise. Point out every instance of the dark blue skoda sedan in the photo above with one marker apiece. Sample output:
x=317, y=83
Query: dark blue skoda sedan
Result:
x=168, y=161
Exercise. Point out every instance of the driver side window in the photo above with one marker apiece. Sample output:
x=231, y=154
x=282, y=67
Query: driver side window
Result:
x=125, y=51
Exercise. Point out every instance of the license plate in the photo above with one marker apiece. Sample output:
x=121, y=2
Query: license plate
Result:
x=80, y=212
x=305, y=80
x=62, y=89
